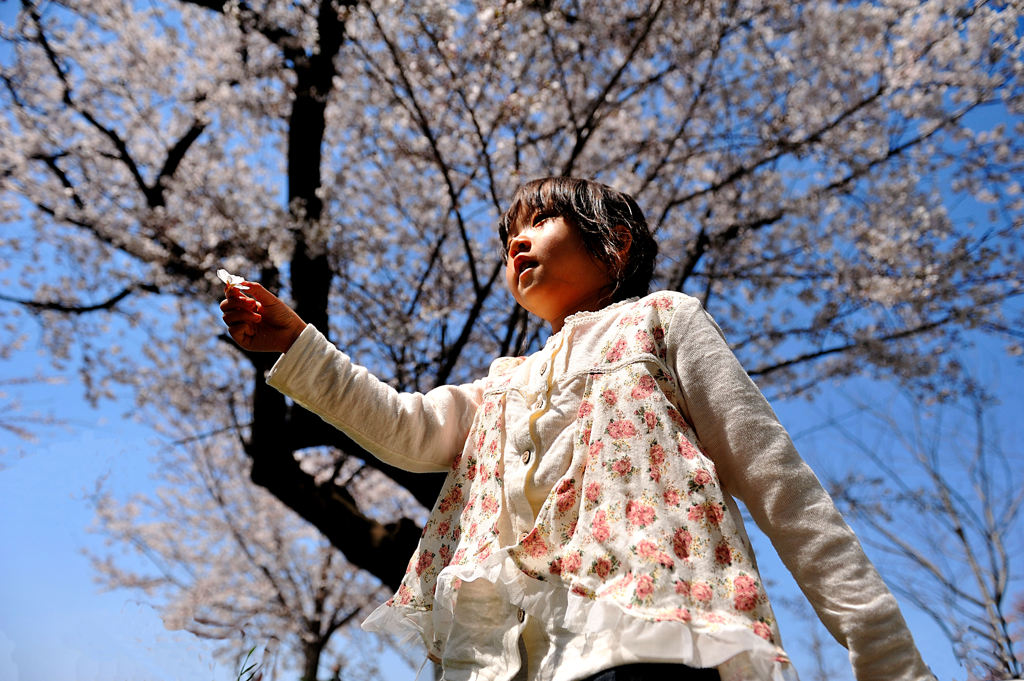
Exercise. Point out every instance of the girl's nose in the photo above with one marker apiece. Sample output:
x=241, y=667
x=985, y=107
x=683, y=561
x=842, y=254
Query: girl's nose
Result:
x=518, y=244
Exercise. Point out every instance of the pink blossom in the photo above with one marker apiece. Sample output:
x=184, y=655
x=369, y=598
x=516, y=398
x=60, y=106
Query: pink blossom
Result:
x=602, y=567
x=643, y=340
x=723, y=554
x=622, y=466
x=444, y=528
x=640, y=514
x=701, y=477
x=534, y=545
x=426, y=559
x=763, y=630
x=681, y=542
x=745, y=602
x=621, y=429
x=714, y=513
x=696, y=513
x=593, y=491
x=451, y=499
x=644, y=387
x=745, y=584
x=585, y=409
x=490, y=504
x=644, y=587
x=649, y=550
x=565, y=495
x=700, y=592
x=615, y=354
x=650, y=419
x=682, y=587
x=671, y=496
x=609, y=397
x=599, y=527
x=571, y=563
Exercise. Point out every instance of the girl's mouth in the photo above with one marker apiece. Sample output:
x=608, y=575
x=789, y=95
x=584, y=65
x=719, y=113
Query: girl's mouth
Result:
x=521, y=263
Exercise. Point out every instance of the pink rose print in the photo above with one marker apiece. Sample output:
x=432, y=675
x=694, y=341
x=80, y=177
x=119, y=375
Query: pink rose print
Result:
x=686, y=450
x=649, y=550
x=747, y=596
x=644, y=341
x=534, y=545
x=446, y=554
x=644, y=587
x=671, y=497
x=572, y=562
x=701, y=478
x=621, y=429
x=644, y=387
x=745, y=602
x=593, y=492
x=565, y=495
x=723, y=554
x=425, y=561
x=682, y=587
x=714, y=513
x=471, y=472
x=609, y=397
x=677, y=418
x=444, y=528
x=451, y=499
x=745, y=584
x=622, y=467
x=657, y=456
x=660, y=303
x=404, y=595
x=638, y=513
x=615, y=354
x=681, y=542
x=763, y=630
x=602, y=567
x=650, y=419
x=696, y=513
x=700, y=591
x=489, y=504
x=555, y=566
x=585, y=409
x=599, y=527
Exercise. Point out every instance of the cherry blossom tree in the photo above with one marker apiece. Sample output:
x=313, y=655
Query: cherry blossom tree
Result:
x=838, y=182
x=227, y=561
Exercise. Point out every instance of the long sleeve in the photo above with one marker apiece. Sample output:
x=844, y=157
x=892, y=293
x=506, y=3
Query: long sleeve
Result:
x=758, y=464
x=414, y=431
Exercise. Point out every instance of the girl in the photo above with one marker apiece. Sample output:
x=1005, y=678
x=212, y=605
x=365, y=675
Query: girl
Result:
x=588, y=528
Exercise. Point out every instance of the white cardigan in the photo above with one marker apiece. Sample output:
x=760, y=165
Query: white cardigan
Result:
x=589, y=506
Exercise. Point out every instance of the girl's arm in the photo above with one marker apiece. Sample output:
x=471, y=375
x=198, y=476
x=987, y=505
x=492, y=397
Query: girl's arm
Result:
x=758, y=464
x=413, y=431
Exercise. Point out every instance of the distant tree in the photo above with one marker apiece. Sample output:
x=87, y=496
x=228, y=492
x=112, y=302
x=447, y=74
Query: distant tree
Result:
x=226, y=561
x=938, y=497
x=805, y=166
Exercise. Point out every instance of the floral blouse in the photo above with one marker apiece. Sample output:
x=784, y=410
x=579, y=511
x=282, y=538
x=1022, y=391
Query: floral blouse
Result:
x=590, y=493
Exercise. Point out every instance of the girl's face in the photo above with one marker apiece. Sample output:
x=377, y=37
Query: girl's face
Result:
x=551, y=273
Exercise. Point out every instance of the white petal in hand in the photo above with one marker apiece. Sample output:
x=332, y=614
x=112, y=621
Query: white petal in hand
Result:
x=232, y=279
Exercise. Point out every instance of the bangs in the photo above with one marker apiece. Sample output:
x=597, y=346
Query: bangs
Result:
x=547, y=195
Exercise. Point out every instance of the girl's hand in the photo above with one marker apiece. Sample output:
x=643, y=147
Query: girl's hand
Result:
x=259, y=321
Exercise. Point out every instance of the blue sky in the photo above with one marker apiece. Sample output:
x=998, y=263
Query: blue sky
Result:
x=55, y=624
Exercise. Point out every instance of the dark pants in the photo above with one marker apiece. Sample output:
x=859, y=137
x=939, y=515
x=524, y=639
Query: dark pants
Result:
x=654, y=671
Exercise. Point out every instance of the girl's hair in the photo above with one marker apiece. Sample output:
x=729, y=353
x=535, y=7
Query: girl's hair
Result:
x=598, y=212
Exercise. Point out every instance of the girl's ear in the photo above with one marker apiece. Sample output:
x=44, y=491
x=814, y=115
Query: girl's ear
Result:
x=625, y=238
